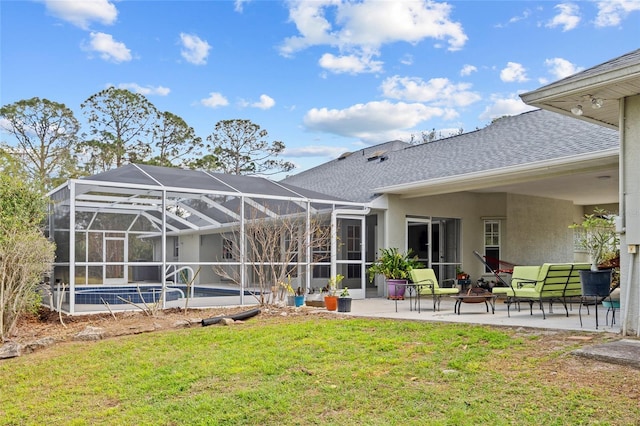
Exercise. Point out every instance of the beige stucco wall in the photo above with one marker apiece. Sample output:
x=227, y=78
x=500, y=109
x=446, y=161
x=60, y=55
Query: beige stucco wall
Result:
x=538, y=230
x=534, y=230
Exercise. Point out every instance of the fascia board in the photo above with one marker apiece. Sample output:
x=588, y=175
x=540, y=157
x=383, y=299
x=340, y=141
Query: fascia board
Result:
x=505, y=175
x=577, y=86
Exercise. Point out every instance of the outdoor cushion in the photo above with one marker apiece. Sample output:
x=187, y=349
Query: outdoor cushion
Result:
x=555, y=282
x=523, y=276
x=427, y=283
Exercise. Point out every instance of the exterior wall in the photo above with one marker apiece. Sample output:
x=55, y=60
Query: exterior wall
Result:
x=534, y=230
x=537, y=230
x=189, y=251
x=471, y=208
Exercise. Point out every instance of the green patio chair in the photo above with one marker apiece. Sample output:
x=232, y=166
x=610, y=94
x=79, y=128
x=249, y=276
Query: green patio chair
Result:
x=425, y=282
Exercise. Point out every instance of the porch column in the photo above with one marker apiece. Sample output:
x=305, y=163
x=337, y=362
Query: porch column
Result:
x=630, y=200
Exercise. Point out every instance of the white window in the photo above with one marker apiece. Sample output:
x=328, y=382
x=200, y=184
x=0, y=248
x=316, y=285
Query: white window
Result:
x=492, y=243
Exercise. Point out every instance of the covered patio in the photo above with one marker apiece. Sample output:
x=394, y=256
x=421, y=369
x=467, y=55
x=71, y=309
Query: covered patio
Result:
x=141, y=236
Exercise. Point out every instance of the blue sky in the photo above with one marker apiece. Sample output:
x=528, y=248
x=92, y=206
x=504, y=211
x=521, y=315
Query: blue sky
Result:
x=324, y=77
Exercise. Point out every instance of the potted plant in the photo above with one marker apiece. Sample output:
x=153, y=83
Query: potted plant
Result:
x=599, y=239
x=461, y=274
x=395, y=267
x=331, y=299
x=299, y=297
x=344, y=301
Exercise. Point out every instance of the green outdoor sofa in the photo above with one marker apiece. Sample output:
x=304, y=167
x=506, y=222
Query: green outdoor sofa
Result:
x=551, y=282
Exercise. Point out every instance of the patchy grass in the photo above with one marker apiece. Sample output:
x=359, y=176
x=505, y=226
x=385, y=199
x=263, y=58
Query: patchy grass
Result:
x=319, y=371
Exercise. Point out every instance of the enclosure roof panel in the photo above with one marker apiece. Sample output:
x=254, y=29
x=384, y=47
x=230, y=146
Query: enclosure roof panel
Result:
x=168, y=177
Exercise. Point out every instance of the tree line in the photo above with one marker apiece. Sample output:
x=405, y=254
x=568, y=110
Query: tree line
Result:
x=125, y=127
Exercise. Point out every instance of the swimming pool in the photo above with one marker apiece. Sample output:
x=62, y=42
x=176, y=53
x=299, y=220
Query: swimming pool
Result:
x=124, y=294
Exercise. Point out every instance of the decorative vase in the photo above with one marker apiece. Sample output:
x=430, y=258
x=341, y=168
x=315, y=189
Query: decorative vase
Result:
x=596, y=283
x=396, y=289
x=299, y=300
x=331, y=303
x=344, y=304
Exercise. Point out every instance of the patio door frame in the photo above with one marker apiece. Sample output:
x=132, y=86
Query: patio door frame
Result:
x=435, y=250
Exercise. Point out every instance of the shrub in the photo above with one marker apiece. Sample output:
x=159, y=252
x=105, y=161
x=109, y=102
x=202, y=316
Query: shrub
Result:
x=25, y=254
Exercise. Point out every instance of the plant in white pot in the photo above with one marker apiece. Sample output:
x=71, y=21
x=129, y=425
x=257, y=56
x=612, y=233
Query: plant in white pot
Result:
x=395, y=267
x=598, y=237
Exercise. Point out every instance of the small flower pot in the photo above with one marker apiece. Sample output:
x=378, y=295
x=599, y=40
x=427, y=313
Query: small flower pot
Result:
x=344, y=304
x=331, y=303
x=299, y=301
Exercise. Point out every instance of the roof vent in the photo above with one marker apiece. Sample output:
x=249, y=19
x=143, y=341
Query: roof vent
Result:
x=376, y=155
x=344, y=155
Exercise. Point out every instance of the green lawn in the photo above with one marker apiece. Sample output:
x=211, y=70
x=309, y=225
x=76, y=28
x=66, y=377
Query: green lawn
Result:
x=307, y=371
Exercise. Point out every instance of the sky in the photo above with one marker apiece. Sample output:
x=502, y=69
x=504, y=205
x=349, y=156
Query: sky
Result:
x=323, y=76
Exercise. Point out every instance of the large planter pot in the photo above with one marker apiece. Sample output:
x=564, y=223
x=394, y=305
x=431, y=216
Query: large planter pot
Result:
x=396, y=289
x=596, y=283
x=331, y=303
x=298, y=300
x=344, y=304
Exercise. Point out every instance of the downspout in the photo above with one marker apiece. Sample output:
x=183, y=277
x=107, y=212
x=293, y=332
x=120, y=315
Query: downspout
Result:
x=623, y=223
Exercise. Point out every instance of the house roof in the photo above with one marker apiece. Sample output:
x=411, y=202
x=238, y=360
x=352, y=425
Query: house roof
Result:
x=527, y=150
x=609, y=81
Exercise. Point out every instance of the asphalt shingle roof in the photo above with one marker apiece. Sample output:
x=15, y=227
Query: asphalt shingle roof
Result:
x=510, y=141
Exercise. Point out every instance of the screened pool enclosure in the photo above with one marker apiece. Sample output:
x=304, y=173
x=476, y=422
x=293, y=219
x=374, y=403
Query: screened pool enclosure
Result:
x=141, y=235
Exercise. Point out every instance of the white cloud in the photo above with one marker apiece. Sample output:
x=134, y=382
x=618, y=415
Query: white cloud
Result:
x=373, y=121
x=514, y=72
x=266, y=102
x=239, y=5
x=561, y=68
x=467, y=70
x=612, y=12
x=407, y=60
x=148, y=90
x=439, y=91
x=82, y=13
x=568, y=18
x=108, y=48
x=500, y=106
x=351, y=64
x=215, y=100
x=194, y=49
x=365, y=26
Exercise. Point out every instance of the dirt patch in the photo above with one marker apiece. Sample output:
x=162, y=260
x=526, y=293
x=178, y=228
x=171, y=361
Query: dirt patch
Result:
x=47, y=323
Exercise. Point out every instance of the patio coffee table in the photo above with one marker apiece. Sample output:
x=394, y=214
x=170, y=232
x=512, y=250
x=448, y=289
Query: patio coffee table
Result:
x=488, y=299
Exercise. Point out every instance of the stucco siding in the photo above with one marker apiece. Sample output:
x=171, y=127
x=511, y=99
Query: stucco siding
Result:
x=537, y=230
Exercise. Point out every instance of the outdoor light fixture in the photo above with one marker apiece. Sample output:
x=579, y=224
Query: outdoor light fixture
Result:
x=596, y=103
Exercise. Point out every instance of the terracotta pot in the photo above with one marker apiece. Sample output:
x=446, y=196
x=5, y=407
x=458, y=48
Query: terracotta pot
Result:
x=331, y=303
